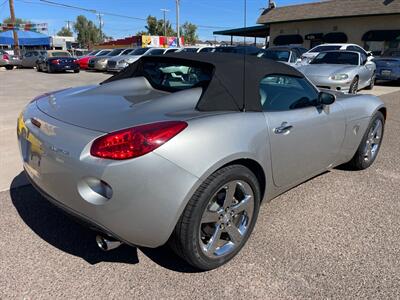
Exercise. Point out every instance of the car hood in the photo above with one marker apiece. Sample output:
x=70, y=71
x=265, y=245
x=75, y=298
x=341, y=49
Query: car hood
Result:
x=119, y=104
x=325, y=69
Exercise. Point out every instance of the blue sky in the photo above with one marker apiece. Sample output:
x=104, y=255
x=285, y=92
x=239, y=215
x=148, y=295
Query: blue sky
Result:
x=218, y=13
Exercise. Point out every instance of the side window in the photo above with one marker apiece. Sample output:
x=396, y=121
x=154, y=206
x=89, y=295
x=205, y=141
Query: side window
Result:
x=281, y=92
x=364, y=59
x=294, y=57
x=156, y=52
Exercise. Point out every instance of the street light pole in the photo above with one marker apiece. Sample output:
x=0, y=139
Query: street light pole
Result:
x=15, y=33
x=164, y=10
x=177, y=23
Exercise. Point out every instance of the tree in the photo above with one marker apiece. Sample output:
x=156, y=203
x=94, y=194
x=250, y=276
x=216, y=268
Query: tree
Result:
x=64, y=32
x=17, y=21
x=156, y=27
x=189, y=32
x=87, y=32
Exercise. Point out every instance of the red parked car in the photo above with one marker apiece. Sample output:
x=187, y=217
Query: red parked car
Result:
x=84, y=61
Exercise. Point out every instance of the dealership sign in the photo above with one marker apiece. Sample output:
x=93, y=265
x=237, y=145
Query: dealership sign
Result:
x=42, y=27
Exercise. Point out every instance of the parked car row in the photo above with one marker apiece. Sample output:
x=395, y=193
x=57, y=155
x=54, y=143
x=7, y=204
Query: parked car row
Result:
x=340, y=67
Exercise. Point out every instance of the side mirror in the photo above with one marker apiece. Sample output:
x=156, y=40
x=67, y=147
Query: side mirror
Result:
x=369, y=53
x=325, y=98
x=298, y=61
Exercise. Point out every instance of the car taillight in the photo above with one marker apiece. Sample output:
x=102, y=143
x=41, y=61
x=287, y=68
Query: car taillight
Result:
x=136, y=141
x=75, y=61
x=56, y=61
x=6, y=57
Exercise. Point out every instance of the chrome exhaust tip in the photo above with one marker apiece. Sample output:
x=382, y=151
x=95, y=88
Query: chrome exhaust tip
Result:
x=107, y=244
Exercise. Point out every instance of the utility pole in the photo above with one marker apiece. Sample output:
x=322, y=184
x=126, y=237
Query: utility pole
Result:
x=100, y=26
x=178, y=35
x=15, y=33
x=68, y=25
x=164, y=10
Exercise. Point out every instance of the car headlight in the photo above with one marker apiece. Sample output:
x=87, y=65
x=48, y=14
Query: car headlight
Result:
x=339, y=77
x=123, y=62
x=102, y=60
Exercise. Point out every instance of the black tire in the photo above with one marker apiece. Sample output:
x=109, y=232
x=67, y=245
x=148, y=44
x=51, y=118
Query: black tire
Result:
x=372, y=83
x=48, y=69
x=354, y=86
x=359, y=162
x=76, y=71
x=38, y=68
x=185, y=240
x=9, y=67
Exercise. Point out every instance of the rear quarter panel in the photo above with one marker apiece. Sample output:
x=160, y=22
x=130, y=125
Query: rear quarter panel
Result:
x=211, y=142
x=359, y=110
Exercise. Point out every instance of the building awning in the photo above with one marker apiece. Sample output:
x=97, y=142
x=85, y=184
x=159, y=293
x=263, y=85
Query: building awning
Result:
x=335, y=37
x=253, y=31
x=381, y=35
x=288, y=39
x=25, y=38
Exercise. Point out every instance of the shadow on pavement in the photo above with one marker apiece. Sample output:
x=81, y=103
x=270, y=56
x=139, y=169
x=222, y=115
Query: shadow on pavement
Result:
x=55, y=227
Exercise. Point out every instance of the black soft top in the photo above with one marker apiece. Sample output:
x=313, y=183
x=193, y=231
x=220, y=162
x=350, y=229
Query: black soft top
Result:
x=235, y=83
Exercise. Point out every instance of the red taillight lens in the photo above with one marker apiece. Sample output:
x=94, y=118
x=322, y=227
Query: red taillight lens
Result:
x=6, y=57
x=56, y=61
x=136, y=141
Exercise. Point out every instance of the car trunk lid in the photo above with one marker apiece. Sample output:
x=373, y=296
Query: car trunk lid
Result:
x=119, y=104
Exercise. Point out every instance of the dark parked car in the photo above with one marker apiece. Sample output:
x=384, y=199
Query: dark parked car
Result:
x=250, y=50
x=388, y=65
x=57, y=61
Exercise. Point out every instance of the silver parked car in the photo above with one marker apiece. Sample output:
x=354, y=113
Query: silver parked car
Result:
x=345, y=71
x=183, y=148
x=30, y=58
x=119, y=63
x=99, y=63
x=9, y=61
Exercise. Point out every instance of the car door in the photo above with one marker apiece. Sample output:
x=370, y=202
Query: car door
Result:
x=304, y=139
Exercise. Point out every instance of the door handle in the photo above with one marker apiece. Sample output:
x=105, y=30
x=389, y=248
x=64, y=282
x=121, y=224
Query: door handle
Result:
x=283, y=129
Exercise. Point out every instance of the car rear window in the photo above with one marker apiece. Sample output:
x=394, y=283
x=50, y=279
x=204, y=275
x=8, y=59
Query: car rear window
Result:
x=174, y=77
x=60, y=53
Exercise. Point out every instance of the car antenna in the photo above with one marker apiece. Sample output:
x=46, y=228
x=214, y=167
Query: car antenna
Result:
x=244, y=56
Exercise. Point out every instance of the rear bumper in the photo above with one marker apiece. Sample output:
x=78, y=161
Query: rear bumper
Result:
x=388, y=73
x=148, y=195
x=59, y=68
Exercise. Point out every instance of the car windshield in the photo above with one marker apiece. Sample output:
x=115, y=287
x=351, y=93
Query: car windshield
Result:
x=139, y=51
x=174, y=77
x=325, y=48
x=127, y=51
x=277, y=55
x=60, y=53
x=191, y=50
x=336, y=57
x=93, y=53
x=115, y=52
x=103, y=53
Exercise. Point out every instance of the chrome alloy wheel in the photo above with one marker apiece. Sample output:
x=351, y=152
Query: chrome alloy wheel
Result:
x=373, y=141
x=226, y=219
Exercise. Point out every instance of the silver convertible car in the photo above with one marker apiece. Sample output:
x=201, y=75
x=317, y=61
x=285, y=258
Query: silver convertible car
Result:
x=345, y=71
x=183, y=148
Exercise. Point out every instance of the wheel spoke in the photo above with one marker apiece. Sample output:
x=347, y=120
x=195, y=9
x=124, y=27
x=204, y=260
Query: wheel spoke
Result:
x=210, y=217
x=230, y=194
x=377, y=128
x=242, y=205
x=213, y=242
x=234, y=234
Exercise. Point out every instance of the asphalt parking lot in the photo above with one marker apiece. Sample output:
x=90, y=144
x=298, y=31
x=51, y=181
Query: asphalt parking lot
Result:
x=336, y=236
